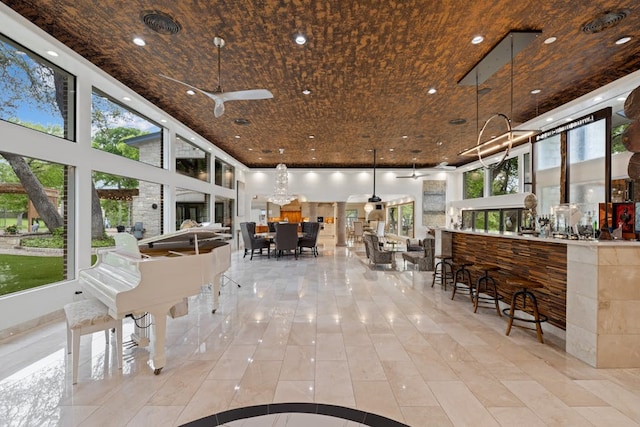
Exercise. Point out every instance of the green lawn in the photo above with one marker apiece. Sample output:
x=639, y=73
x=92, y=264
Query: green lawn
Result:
x=20, y=272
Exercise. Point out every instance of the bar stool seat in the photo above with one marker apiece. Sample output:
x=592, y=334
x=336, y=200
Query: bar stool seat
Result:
x=489, y=285
x=445, y=272
x=524, y=287
x=462, y=279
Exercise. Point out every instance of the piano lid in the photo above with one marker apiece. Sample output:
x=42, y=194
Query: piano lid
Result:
x=187, y=237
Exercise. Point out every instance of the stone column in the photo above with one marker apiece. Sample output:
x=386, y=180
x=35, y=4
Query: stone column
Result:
x=341, y=224
x=313, y=211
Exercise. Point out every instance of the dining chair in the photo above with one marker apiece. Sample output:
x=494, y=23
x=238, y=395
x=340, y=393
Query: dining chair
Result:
x=358, y=230
x=251, y=242
x=286, y=238
x=311, y=231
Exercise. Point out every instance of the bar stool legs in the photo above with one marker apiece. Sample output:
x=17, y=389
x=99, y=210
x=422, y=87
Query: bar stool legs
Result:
x=523, y=287
x=463, y=275
x=489, y=285
x=444, y=272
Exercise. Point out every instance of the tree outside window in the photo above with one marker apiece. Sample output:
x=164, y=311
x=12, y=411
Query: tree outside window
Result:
x=474, y=184
x=504, y=178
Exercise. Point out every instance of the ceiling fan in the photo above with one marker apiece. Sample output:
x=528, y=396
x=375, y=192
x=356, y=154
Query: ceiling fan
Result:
x=440, y=166
x=413, y=175
x=218, y=95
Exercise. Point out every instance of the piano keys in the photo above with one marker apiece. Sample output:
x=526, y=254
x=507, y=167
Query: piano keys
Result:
x=152, y=275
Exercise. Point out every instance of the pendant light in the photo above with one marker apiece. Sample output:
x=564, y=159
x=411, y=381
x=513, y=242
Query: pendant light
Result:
x=374, y=198
x=504, y=51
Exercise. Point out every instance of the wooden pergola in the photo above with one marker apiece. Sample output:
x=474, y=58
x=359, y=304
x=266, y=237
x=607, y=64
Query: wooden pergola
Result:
x=16, y=188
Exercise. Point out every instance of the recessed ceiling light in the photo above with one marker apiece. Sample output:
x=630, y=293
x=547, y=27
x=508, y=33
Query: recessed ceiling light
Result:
x=313, y=149
x=259, y=158
x=623, y=40
x=126, y=98
x=210, y=149
x=250, y=149
x=306, y=92
x=405, y=136
x=192, y=138
x=432, y=91
x=568, y=119
x=300, y=39
x=237, y=137
x=52, y=53
x=549, y=119
x=622, y=98
x=163, y=120
x=477, y=40
x=439, y=142
x=536, y=91
x=313, y=158
x=190, y=92
x=597, y=99
x=311, y=136
x=138, y=41
x=391, y=149
x=550, y=40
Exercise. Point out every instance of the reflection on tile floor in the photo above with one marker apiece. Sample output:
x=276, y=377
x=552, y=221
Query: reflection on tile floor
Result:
x=327, y=330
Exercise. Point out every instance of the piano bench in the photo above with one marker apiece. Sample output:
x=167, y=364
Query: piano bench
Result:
x=86, y=317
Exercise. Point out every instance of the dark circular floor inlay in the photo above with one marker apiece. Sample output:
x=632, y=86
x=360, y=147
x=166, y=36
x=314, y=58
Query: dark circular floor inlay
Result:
x=319, y=409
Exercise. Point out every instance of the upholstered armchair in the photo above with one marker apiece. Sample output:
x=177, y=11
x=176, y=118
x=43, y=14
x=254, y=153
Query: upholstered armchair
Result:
x=311, y=230
x=414, y=245
x=251, y=242
x=375, y=253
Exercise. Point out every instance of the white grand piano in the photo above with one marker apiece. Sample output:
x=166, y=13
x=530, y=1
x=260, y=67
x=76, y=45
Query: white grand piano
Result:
x=152, y=275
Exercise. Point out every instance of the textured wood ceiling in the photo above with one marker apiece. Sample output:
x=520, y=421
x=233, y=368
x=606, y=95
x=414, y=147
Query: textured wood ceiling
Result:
x=368, y=64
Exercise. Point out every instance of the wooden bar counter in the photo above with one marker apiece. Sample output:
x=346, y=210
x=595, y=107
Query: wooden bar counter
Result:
x=591, y=288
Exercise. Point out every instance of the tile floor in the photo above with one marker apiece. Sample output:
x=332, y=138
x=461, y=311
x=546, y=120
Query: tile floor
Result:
x=329, y=330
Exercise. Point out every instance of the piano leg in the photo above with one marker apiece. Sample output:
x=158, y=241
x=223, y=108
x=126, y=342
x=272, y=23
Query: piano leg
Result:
x=216, y=292
x=159, y=325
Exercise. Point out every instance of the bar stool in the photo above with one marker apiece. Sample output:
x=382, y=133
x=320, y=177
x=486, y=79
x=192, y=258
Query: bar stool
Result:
x=463, y=275
x=488, y=283
x=523, y=287
x=445, y=273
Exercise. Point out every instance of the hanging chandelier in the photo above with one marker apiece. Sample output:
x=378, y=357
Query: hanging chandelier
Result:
x=281, y=194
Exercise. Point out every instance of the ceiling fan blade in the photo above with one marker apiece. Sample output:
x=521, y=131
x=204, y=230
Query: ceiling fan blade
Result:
x=445, y=166
x=209, y=94
x=219, y=108
x=250, y=94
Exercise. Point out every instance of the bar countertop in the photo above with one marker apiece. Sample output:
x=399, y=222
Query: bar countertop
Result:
x=582, y=242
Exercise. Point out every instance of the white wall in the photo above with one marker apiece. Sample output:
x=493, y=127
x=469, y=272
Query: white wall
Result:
x=348, y=185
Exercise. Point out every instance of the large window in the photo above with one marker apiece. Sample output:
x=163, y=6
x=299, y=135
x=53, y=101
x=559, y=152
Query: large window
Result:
x=473, y=183
x=225, y=174
x=224, y=212
x=35, y=93
x=191, y=205
x=547, y=158
x=587, y=149
x=119, y=130
x=400, y=219
x=33, y=215
x=129, y=205
x=504, y=178
x=352, y=215
x=191, y=160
